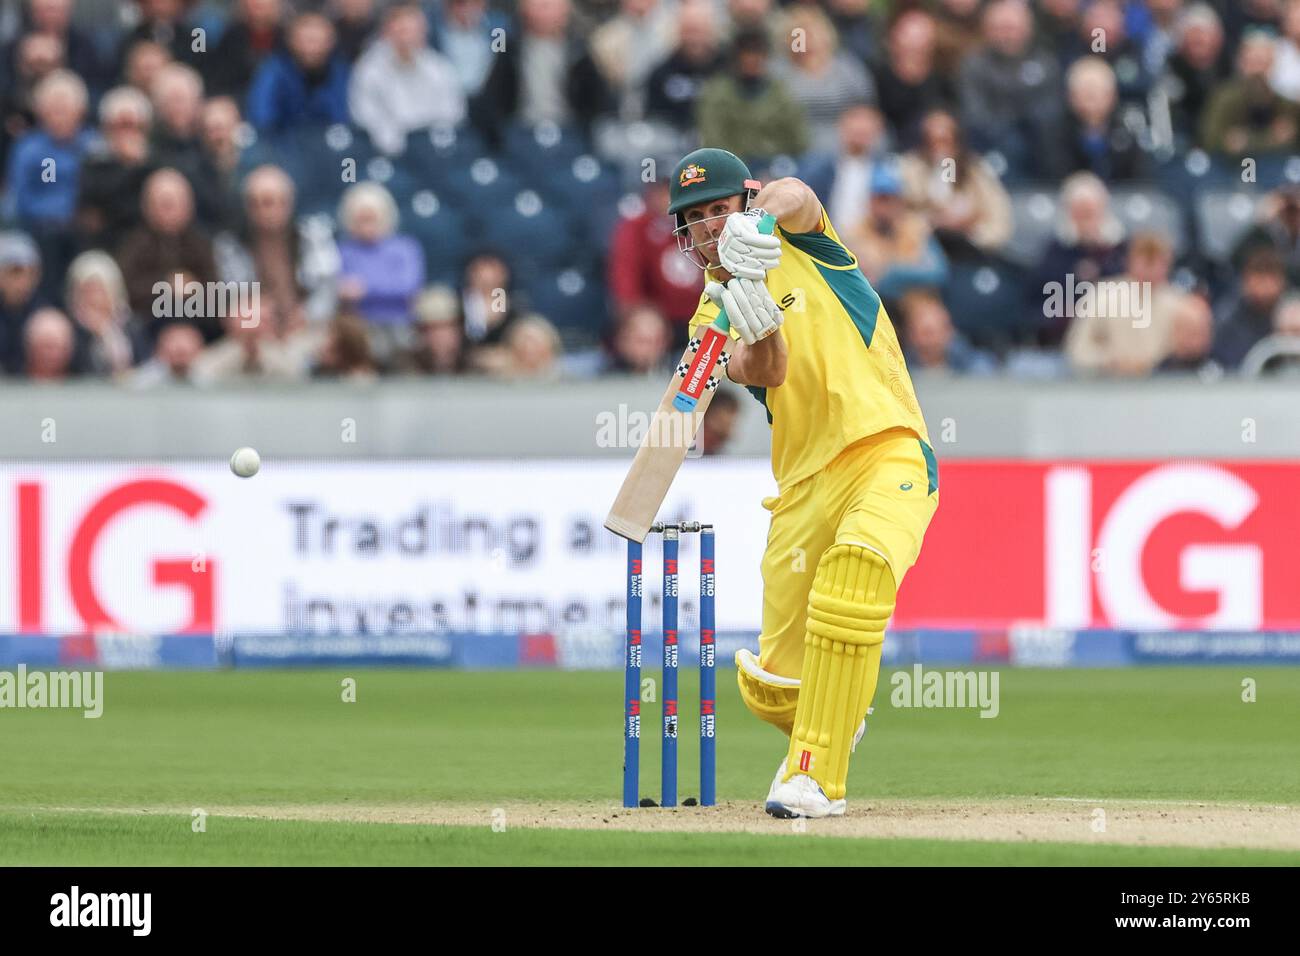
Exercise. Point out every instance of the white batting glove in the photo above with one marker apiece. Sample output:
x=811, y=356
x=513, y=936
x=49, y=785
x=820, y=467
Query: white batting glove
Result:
x=749, y=307
x=743, y=250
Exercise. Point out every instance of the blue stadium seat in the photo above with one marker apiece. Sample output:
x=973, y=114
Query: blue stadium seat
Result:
x=987, y=303
x=526, y=222
x=1150, y=210
x=588, y=189
x=1011, y=175
x=1222, y=218
x=397, y=179
x=443, y=154
x=481, y=189
x=1279, y=169
x=1184, y=175
x=539, y=174
x=263, y=150
x=627, y=144
x=442, y=232
x=596, y=225
x=1034, y=215
x=314, y=158
x=524, y=145
x=574, y=300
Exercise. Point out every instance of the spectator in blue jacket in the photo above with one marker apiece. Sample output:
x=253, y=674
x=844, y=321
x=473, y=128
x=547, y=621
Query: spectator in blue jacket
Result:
x=43, y=179
x=307, y=83
x=41, y=183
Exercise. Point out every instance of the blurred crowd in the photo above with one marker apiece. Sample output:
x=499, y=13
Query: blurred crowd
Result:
x=457, y=187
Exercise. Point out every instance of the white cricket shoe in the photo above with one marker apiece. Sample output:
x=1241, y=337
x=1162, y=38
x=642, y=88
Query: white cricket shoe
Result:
x=802, y=796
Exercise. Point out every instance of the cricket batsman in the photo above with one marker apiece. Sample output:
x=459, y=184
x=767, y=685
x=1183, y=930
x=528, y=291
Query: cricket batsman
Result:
x=856, y=477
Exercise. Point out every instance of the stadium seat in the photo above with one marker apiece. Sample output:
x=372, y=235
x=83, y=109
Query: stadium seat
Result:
x=315, y=157
x=527, y=223
x=260, y=151
x=588, y=189
x=1279, y=169
x=596, y=225
x=442, y=155
x=1011, y=175
x=627, y=144
x=987, y=303
x=441, y=230
x=1034, y=216
x=479, y=189
x=581, y=180
x=1184, y=175
x=1222, y=218
x=1150, y=210
x=397, y=179
x=574, y=300
x=338, y=141
x=525, y=145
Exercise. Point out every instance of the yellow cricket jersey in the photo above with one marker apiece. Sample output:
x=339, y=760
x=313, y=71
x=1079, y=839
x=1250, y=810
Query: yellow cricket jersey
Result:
x=846, y=379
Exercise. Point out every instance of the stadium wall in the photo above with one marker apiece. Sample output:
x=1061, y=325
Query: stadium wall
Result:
x=466, y=419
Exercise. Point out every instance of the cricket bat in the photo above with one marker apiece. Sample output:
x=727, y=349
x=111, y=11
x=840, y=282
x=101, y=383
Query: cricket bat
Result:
x=673, y=427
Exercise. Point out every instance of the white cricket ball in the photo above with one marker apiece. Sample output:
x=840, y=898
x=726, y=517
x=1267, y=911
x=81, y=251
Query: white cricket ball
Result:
x=245, y=462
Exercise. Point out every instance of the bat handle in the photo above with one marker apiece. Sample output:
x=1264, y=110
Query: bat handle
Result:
x=766, y=225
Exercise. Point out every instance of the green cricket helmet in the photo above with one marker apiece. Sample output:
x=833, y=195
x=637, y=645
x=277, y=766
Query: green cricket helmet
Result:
x=703, y=176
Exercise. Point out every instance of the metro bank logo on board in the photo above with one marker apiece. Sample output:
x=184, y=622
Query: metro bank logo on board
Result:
x=432, y=546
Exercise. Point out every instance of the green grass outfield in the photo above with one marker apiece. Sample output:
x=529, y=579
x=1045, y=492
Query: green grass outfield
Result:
x=171, y=740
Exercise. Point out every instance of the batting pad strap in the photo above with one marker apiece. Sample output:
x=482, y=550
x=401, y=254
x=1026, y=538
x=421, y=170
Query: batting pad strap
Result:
x=845, y=622
x=746, y=661
x=870, y=547
x=769, y=697
x=852, y=597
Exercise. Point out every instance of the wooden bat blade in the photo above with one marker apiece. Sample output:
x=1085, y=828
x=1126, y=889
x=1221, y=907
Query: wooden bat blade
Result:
x=672, y=429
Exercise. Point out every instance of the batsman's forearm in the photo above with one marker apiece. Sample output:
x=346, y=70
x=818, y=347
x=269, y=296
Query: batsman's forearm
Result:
x=762, y=364
x=795, y=206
